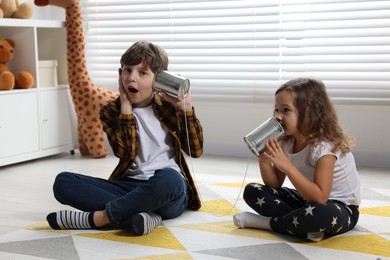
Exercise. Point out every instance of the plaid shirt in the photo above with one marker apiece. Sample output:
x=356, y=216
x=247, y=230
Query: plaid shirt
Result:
x=122, y=134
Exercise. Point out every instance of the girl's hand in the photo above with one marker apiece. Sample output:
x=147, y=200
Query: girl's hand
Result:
x=183, y=105
x=276, y=155
x=270, y=174
x=263, y=159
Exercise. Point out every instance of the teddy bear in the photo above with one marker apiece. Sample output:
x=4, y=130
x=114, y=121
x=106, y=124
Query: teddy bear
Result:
x=13, y=9
x=8, y=80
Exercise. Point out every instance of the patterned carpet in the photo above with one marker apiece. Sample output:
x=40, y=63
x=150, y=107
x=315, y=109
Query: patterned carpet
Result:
x=207, y=234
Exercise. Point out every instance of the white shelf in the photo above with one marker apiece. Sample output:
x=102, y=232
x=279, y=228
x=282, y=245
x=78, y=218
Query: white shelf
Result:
x=11, y=22
x=39, y=121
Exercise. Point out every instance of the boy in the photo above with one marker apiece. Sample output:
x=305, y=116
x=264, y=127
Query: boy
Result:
x=147, y=132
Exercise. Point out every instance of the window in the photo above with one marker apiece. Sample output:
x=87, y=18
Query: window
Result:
x=241, y=51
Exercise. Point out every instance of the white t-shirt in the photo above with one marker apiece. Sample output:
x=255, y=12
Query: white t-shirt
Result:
x=346, y=181
x=156, y=148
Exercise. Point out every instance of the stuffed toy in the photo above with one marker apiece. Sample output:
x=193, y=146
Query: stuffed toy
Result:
x=87, y=98
x=8, y=80
x=12, y=9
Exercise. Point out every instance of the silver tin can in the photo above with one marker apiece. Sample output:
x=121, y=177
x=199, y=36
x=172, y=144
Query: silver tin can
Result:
x=257, y=139
x=172, y=84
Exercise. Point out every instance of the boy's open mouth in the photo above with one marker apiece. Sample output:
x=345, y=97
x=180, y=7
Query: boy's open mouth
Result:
x=133, y=90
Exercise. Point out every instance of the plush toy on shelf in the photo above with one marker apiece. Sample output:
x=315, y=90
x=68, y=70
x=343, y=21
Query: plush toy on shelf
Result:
x=13, y=9
x=9, y=80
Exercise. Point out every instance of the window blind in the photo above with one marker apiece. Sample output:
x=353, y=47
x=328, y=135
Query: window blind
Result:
x=241, y=51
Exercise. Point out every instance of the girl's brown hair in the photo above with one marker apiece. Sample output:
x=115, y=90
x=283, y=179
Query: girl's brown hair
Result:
x=317, y=118
x=147, y=53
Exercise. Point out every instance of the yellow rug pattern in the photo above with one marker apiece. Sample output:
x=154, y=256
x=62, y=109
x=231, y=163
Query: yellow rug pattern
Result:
x=210, y=231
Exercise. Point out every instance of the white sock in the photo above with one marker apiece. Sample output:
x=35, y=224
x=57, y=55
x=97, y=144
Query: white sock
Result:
x=251, y=220
x=315, y=236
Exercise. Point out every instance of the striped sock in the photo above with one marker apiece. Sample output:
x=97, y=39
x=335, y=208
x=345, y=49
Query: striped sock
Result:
x=69, y=219
x=143, y=223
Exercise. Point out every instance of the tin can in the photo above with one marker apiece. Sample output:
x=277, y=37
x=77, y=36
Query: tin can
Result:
x=257, y=139
x=172, y=84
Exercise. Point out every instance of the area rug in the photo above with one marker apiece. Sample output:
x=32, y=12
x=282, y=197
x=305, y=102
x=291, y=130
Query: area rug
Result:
x=208, y=234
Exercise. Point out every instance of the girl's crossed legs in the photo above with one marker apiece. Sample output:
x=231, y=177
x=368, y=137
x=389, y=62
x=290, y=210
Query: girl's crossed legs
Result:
x=285, y=211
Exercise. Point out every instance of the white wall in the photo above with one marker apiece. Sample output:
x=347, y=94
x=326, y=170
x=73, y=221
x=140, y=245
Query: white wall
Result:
x=46, y=12
x=225, y=124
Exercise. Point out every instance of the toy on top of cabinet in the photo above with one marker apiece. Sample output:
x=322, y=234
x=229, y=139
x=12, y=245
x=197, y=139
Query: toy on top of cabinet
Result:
x=13, y=9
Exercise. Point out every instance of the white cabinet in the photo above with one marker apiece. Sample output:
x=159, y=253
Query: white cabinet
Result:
x=56, y=118
x=39, y=121
x=18, y=124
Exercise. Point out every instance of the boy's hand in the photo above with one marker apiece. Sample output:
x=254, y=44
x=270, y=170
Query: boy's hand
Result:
x=183, y=105
x=125, y=101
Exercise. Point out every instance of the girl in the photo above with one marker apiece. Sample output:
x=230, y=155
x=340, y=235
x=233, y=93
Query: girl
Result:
x=316, y=157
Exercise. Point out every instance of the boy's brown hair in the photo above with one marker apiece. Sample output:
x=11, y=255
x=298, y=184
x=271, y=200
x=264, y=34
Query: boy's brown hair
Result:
x=149, y=54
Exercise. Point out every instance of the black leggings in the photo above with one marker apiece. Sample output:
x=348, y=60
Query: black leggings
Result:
x=291, y=214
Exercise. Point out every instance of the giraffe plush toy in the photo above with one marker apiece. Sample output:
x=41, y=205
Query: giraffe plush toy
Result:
x=87, y=98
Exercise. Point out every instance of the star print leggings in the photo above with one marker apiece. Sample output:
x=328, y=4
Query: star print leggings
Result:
x=291, y=214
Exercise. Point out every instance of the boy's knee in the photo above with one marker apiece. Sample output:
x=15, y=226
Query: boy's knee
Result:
x=171, y=178
x=61, y=179
x=170, y=175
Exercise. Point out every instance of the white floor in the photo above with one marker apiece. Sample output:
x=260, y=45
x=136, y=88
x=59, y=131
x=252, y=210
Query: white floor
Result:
x=26, y=198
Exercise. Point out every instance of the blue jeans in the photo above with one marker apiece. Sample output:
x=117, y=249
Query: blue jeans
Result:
x=164, y=194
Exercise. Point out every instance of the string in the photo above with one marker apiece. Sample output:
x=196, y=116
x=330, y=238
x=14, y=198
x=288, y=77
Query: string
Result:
x=194, y=175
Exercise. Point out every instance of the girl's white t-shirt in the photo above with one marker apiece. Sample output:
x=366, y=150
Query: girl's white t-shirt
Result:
x=346, y=181
x=156, y=148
